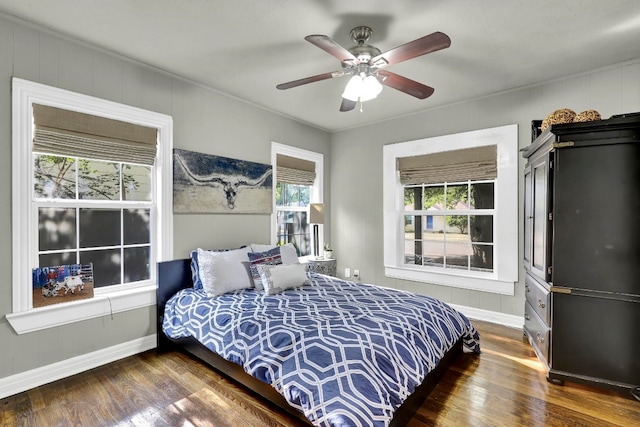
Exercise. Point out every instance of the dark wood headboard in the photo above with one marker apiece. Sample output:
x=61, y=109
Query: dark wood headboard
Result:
x=172, y=276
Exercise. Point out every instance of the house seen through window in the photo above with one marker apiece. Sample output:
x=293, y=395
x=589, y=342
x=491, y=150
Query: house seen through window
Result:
x=450, y=225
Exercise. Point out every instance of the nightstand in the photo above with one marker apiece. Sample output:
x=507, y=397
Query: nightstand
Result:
x=323, y=266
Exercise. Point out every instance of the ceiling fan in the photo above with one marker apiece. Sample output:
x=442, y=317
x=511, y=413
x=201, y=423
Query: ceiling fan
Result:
x=366, y=64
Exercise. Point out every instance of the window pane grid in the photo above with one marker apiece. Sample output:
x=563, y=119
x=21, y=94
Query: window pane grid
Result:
x=450, y=225
x=292, y=204
x=89, y=220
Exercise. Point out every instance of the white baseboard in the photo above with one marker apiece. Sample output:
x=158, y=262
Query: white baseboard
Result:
x=504, y=319
x=36, y=377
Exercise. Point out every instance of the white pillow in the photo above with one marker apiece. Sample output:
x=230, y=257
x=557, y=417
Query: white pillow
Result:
x=223, y=272
x=277, y=278
x=287, y=252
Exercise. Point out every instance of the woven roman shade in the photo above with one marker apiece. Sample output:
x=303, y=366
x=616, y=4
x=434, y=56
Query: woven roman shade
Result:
x=477, y=163
x=69, y=133
x=295, y=171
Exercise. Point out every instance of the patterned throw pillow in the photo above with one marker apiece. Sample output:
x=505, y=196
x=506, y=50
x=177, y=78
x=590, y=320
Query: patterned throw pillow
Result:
x=270, y=257
x=287, y=252
x=277, y=278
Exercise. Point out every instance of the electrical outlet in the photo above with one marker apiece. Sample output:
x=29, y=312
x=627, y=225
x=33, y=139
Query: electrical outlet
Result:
x=347, y=272
x=356, y=274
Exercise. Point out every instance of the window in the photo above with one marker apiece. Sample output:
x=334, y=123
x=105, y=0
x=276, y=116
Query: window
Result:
x=450, y=210
x=94, y=212
x=450, y=225
x=84, y=199
x=298, y=182
x=292, y=223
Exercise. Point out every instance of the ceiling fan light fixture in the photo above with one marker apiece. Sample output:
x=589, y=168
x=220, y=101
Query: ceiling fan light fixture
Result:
x=353, y=88
x=362, y=88
x=371, y=88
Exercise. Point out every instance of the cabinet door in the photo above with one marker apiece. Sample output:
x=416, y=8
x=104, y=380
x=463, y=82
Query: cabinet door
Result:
x=596, y=337
x=540, y=242
x=528, y=217
x=596, y=218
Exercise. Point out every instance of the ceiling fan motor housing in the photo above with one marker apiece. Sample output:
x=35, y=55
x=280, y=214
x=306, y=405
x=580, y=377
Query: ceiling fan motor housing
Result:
x=360, y=35
x=362, y=51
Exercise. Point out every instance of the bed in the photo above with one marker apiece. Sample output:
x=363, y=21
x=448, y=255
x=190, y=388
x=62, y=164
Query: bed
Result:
x=320, y=385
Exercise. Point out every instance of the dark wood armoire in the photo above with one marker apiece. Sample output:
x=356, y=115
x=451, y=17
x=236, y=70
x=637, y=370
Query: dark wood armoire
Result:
x=582, y=251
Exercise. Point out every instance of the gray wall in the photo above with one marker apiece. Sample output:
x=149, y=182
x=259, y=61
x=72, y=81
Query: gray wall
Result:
x=356, y=186
x=204, y=121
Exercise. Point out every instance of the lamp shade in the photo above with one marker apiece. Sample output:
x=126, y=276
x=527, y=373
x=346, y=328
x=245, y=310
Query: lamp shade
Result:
x=370, y=88
x=353, y=88
x=316, y=213
x=362, y=88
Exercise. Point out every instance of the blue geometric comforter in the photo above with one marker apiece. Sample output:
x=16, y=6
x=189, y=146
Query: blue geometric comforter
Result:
x=343, y=353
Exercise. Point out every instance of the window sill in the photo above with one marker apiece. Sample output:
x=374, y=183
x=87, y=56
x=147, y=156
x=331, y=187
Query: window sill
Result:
x=101, y=305
x=484, y=284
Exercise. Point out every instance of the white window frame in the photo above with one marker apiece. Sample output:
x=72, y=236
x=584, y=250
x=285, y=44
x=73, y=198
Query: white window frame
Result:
x=505, y=273
x=317, y=190
x=24, y=318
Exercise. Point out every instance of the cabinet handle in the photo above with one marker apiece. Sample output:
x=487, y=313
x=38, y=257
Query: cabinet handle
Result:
x=541, y=304
x=527, y=288
x=540, y=339
x=527, y=317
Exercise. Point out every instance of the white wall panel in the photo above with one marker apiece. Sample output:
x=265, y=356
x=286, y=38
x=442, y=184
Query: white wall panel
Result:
x=6, y=71
x=75, y=65
x=48, y=61
x=606, y=91
x=26, y=52
x=107, y=77
x=131, y=84
x=631, y=87
x=573, y=94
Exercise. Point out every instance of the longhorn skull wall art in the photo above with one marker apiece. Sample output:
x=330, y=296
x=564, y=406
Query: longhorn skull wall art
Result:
x=204, y=183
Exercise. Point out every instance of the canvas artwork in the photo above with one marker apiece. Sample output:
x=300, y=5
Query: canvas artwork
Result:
x=204, y=183
x=62, y=283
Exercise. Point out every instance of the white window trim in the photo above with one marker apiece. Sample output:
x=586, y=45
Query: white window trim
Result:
x=317, y=190
x=24, y=318
x=505, y=272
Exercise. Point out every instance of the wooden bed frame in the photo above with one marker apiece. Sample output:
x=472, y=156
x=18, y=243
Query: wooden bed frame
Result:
x=176, y=275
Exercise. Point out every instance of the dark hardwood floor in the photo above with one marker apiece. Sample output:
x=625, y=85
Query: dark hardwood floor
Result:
x=505, y=386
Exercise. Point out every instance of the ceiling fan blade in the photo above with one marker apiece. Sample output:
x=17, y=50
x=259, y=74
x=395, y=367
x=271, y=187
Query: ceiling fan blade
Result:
x=347, y=105
x=328, y=45
x=421, y=46
x=405, y=85
x=311, y=79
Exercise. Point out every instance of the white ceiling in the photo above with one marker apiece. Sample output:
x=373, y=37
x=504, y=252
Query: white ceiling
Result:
x=245, y=47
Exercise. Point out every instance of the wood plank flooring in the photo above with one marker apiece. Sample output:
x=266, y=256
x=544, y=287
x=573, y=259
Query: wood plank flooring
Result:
x=504, y=386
